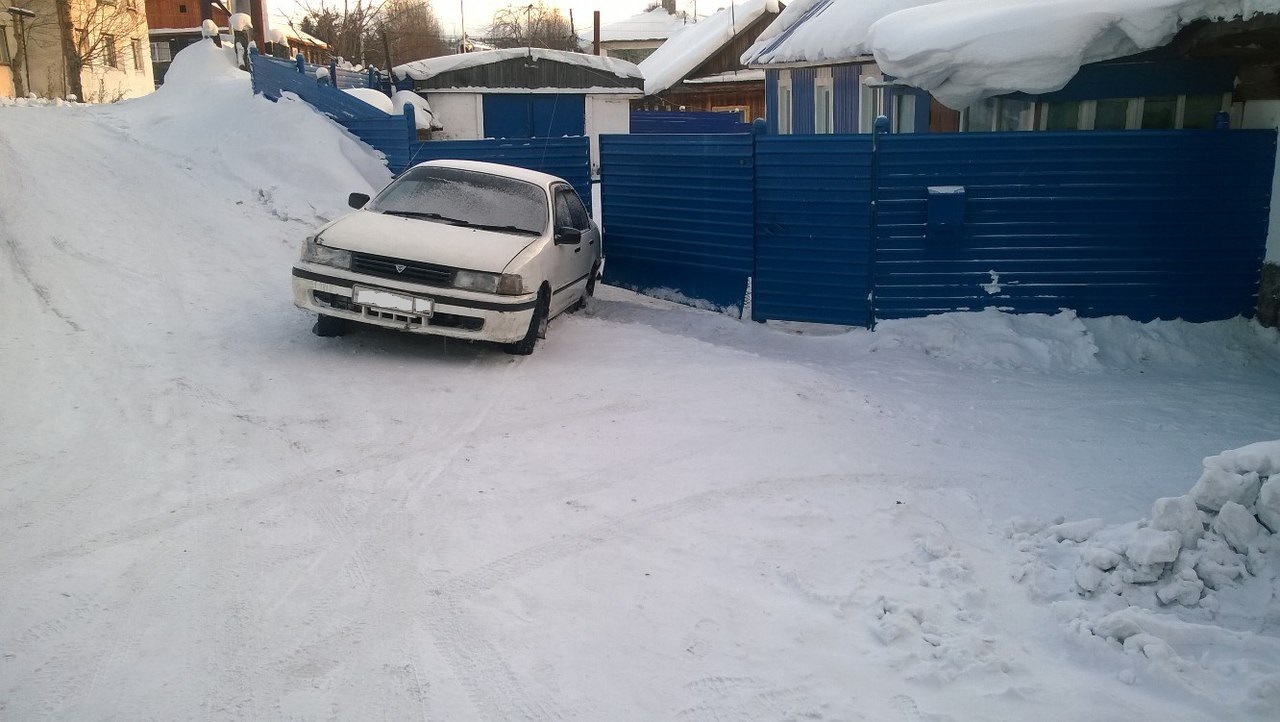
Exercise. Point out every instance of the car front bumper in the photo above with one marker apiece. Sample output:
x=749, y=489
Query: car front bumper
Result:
x=452, y=312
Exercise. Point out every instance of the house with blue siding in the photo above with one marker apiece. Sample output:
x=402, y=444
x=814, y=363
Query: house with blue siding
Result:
x=831, y=67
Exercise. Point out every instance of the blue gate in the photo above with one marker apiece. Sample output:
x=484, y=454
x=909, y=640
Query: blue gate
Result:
x=813, y=229
x=679, y=214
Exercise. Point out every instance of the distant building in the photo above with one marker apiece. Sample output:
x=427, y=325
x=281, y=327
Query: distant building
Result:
x=636, y=37
x=109, y=62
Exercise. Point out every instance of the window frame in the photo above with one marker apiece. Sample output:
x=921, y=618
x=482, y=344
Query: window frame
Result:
x=869, y=99
x=824, y=112
x=168, y=52
x=5, y=57
x=110, y=52
x=572, y=200
x=786, y=109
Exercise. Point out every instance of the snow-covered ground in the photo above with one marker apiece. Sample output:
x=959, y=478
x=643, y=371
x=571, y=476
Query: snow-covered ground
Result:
x=664, y=513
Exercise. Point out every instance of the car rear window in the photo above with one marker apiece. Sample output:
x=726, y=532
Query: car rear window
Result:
x=468, y=197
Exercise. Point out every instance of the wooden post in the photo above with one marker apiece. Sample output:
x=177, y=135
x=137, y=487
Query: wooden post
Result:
x=411, y=119
x=333, y=73
x=301, y=62
x=595, y=20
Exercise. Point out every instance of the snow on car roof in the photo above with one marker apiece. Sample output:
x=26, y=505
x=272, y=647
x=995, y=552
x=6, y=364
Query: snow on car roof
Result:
x=510, y=171
x=431, y=67
x=962, y=51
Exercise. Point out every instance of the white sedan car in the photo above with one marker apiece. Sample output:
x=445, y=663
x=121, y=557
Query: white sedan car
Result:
x=454, y=248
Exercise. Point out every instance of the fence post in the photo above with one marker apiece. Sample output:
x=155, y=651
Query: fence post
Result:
x=301, y=62
x=411, y=120
x=333, y=73
x=880, y=133
x=759, y=128
x=373, y=78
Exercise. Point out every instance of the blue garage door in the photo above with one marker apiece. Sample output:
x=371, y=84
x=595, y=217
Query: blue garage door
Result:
x=533, y=116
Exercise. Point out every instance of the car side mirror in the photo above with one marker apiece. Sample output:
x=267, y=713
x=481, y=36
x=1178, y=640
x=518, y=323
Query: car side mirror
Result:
x=568, y=236
x=357, y=200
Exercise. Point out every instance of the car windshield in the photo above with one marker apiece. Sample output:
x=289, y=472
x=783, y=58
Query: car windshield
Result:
x=467, y=198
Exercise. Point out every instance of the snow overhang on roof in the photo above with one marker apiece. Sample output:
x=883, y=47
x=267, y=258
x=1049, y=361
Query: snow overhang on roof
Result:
x=431, y=67
x=686, y=50
x=733, y=76
x=962, y=51
x=656, y=24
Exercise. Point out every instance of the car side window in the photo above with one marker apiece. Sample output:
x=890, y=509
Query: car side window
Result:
x=570, y=211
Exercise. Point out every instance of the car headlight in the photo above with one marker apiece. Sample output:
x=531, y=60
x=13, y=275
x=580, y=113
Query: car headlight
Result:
x=507, y=284
x=313, y=252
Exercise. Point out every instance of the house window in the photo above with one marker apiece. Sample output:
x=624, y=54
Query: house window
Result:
x=182, y=8
x=109, y=50
x=823, y=108
x=784, y=102
x=1160, y=113
x=904, y=113
x=1111, y=114
x=980, y=117
x=4, y=46
x=135, y=46
x=868, y=104
x=1198, y=111
x=160, y=52
x=999, y=114
x=1061, y=116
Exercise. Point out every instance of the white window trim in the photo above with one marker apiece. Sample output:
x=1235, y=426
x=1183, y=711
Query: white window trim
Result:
x=785, y=110
x=869, y=99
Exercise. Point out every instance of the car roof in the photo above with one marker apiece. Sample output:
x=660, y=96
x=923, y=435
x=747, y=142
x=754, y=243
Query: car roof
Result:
x=509, y=171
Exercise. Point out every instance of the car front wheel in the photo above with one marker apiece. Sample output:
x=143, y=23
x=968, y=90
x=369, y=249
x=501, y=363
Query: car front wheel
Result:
x=537, y=327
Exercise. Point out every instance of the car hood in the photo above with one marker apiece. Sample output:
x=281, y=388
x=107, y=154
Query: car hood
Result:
x=427, y=241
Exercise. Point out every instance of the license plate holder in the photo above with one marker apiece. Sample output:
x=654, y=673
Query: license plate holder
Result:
x=391, y=301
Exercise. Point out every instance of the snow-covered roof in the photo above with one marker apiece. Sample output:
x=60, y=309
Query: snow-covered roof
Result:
x=697, y=42
x=431, y=67
x=732, y=76
x=964, y=50
x=293, y=33
x=654, y=24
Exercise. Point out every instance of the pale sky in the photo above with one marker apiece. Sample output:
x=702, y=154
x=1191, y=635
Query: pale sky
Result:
x=479, y=13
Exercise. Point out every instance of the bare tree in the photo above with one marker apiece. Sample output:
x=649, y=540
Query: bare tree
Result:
x=370, y=32
x=534, y=25
x=409, y=30
x=345, y=28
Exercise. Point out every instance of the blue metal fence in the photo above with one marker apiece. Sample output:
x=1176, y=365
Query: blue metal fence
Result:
x=678, y=213
x=1145, y=224
x=813, y=229
x=648, y=122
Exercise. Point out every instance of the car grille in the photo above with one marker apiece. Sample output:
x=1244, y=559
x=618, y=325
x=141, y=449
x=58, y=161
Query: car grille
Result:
x=428, y=274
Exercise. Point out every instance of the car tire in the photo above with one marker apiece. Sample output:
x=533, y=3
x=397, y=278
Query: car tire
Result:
x=329, y=326
x=537, y=326
x=590, y=291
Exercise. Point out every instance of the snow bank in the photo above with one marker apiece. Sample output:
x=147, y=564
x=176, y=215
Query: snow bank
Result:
x=962, y=51
x=206, y=111
x=1187, y=594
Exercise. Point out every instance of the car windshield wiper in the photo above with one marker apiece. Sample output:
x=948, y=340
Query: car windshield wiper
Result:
x=507, y=228
x=432, y=216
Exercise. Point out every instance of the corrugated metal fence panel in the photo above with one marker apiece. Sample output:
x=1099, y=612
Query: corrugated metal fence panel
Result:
x=391, y=135
x=568, y=158
x=271, y=77
x=678, y=213
x=648, y=122
x=1142, y=224
x=813, y=229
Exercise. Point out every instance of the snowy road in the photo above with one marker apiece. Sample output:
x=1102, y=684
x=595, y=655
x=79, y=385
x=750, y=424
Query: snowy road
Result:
x=207, y=512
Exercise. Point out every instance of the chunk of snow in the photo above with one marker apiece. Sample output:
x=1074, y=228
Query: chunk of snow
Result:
x=279, y=36
x=423, y=115
x=240, y=22
x=1178, y=514
x=1089, y=577
x=1217, y=486
x=209, y=29
x=375, y=98
x=1101, y=557
x=1182, y=591
x=1268, y=504
x=993, y=287
x=1262, y=458
x=322, y=73
x=1236, y=525
x=1077, y=531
